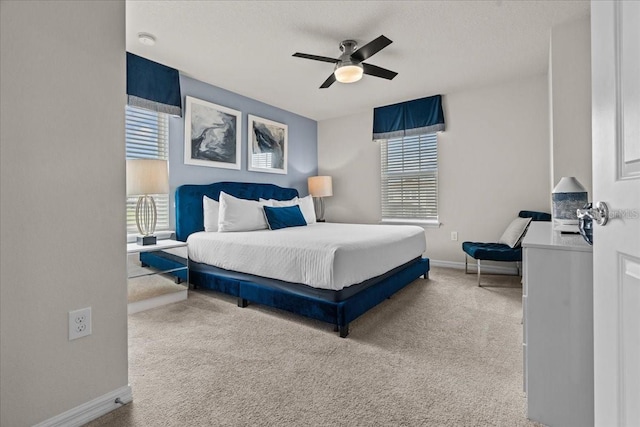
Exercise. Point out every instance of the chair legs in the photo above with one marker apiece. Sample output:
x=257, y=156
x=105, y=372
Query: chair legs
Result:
x=466, y=267
x=479, y=268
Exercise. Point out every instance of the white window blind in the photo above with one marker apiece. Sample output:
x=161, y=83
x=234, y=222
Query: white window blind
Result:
x=409, y=171
x=262, y=160
x=147, y=137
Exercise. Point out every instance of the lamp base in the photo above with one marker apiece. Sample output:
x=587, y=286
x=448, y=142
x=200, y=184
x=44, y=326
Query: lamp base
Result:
x=146, y=240
x=318, y=204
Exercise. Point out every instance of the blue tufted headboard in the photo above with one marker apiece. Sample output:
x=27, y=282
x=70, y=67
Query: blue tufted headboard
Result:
x=189, y=216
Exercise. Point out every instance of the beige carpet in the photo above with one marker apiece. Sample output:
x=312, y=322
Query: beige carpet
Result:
x=142, y=288
x=441, y=352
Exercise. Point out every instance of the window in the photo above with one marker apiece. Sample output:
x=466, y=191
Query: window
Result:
x=262, y=160
x=147, y=137
x=409, y=171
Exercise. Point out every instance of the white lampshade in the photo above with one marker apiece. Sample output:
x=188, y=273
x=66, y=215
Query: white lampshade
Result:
x=147, y=176
x=320, y=186
x=348, y=73
x=569, y=184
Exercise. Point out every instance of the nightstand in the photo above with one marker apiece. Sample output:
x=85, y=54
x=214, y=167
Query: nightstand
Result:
x=147, y=268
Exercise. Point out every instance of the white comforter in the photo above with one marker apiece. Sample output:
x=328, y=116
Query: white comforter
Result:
x=322, y=255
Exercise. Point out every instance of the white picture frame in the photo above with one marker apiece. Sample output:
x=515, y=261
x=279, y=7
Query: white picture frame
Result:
x=267, y=145
x=212, y=135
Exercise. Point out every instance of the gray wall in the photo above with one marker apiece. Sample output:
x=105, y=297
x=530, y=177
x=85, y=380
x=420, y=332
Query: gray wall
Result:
x=62, y=205
x=570, y=102
x=493, y=162
x=303, y=148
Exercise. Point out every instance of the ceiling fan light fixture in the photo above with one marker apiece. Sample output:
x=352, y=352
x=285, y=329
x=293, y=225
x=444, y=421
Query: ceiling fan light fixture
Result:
x=348, y=73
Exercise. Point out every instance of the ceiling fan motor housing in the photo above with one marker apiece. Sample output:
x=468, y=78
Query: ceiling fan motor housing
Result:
x=347, y=47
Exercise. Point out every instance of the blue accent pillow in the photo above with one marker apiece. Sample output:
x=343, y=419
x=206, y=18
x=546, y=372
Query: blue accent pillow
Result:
x=283, y=217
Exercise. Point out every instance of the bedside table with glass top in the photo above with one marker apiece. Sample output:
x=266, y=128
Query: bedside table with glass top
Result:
x=147, y=270
x=176, y=262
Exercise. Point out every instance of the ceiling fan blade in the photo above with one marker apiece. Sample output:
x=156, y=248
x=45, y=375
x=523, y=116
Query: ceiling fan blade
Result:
x=329, y=81
x=315, y=57
x=371, y=48
x=373, y=70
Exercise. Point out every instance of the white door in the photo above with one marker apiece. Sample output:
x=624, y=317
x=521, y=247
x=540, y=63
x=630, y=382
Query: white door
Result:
x=615, y=59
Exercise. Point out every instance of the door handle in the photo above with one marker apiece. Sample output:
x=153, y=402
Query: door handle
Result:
x=599, y=213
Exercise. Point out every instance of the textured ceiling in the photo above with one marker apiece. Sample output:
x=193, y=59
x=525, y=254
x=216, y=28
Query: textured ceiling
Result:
x=438, y=46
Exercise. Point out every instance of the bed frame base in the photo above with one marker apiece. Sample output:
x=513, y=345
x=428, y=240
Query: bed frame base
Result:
x=338, y=313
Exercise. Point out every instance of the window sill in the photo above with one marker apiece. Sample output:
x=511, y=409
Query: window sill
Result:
x=428, y=223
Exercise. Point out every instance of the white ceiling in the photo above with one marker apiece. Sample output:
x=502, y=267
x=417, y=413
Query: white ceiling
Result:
x=438, y=46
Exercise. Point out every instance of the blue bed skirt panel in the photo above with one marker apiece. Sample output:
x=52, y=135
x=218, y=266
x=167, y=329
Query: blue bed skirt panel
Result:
x=372, y=296
x=164, y=261
x=226, y=285
x=306, y=306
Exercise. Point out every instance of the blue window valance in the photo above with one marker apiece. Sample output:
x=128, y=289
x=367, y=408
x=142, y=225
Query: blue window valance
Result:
x=409, y=118
x=153, y=86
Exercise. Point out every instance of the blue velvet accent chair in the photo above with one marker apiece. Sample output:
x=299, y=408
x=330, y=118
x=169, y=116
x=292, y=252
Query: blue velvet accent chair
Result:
x=498, y=251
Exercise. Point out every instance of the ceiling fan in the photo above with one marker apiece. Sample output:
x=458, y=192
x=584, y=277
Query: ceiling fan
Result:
x=349, y=67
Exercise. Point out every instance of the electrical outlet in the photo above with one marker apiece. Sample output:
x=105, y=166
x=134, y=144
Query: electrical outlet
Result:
x=79, y=323
x=454, y=236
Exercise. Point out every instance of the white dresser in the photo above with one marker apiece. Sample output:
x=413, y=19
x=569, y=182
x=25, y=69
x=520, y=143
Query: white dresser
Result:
x=557, y=305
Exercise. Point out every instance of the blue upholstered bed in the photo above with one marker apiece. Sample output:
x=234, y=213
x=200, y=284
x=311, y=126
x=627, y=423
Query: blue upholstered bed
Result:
x=336, y=307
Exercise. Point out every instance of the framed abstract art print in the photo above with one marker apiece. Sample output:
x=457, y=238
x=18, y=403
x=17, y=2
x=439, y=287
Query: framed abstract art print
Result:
x=267, y=145
x=212, y=135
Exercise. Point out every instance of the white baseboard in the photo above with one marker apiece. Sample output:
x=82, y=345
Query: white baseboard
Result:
x=91, y=410
x=508, y=268
x=147, y=304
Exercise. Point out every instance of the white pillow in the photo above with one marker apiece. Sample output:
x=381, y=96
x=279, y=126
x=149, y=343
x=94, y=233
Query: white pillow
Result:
x=211, y=208
x=281, y=203
x=306, y=206
x=514, y=232
x=240, y=214
x=308, y=209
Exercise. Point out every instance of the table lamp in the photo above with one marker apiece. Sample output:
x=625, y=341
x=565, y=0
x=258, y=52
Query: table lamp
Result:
x=319, y=188
x=144, y=178
x=566, y=198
